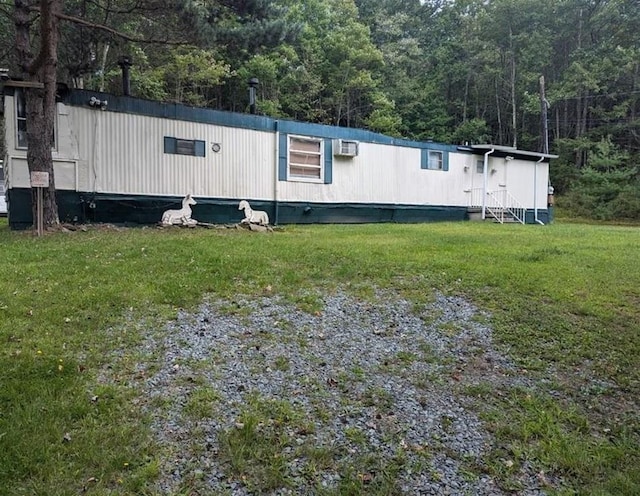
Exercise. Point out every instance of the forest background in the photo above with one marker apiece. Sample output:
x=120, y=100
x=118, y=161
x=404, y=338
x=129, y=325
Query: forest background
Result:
x=455, y=71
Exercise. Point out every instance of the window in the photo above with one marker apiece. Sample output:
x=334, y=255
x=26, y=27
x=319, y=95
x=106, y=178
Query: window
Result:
x=305, y=158
x=434, y=160
x=177, y=146
x=21, y=121
x=480, y=166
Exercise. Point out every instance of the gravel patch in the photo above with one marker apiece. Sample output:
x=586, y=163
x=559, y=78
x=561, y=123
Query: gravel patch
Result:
x=378, y=384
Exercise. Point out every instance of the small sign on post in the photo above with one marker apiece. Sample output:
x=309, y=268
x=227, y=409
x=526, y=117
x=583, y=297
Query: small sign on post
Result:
x=39, y=180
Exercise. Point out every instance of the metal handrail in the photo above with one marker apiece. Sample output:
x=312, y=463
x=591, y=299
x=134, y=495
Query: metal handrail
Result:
x=498, y=203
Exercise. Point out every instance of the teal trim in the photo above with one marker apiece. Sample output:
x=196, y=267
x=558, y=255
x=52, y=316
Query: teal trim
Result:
x=169, y=145
x=75, y=207
x=139, y=106
x=200, y=148
x=424, y=159
x=328, y=161
x=283, y=154
x=545, y=216
x=350, y=213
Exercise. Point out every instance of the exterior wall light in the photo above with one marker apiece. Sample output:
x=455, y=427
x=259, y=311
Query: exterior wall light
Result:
x=96, y=103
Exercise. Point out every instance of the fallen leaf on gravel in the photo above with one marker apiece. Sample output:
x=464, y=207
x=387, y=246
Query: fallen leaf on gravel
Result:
x=543, y=479
x=365, y=478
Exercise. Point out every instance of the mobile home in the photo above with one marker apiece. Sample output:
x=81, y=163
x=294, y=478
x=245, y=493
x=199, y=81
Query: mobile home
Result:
x=121, y=159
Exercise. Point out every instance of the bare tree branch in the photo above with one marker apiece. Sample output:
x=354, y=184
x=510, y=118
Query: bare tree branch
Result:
x=115, y=32
x=120, y=34
x=136, y=7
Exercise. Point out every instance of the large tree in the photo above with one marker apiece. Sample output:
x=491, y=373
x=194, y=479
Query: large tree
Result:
x=38, y=71
x=93, y=27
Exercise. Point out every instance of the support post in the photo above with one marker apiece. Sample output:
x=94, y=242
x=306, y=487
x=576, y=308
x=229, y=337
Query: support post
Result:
x=39, y=180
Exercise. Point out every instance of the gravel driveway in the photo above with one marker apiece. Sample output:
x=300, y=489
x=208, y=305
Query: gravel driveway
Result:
x=364, y=393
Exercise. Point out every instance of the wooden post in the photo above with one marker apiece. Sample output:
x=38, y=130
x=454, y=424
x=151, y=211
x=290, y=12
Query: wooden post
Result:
x=39, y=180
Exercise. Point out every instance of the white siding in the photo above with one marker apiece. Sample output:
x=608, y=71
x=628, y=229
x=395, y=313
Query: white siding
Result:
x=65, y=154
x=120, y=153
x=125, y=154
x=522, y=185
x=386, y=174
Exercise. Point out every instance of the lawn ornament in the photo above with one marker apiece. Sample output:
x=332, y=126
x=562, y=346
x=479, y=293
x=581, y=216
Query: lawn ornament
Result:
x=182, y=216
x=253, y=216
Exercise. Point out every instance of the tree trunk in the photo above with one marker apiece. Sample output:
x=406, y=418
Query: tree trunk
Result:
x=498, y=114
x=103, y=64
x=466, y=97
x=514, y=115
x=40, y=101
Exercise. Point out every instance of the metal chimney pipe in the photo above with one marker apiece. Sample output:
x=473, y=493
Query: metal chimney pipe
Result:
x=253, y=85
x=125, y=62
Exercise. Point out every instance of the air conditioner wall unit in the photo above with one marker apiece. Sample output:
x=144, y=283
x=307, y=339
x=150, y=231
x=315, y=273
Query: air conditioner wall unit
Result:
x=345, y=148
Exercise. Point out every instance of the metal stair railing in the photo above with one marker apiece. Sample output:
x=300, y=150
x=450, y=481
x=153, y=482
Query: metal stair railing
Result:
x=475, y=200
x=500, y=204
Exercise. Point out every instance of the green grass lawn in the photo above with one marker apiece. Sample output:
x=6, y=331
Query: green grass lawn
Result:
x=564, y=302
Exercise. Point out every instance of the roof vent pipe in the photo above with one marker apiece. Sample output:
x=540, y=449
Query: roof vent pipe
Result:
x=253, y=86
x=125, y=62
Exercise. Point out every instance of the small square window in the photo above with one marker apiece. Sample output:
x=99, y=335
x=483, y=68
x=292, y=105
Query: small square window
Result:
x=435, y=160
x=480, y=166
x=178, y=146
x=185, y=147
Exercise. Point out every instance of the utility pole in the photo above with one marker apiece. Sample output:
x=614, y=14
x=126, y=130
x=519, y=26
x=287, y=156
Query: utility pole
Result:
x=544, y=106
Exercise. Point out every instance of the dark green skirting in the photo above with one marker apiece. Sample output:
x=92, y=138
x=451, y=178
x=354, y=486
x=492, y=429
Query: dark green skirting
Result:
x=77, y=207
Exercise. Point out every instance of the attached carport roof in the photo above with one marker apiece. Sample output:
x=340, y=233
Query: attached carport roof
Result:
x=505, y=151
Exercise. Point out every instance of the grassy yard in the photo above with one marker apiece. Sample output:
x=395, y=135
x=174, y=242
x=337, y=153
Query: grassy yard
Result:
x=564, y=302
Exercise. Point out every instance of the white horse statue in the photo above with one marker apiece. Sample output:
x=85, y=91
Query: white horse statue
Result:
x=253, y=216
x=182, y=216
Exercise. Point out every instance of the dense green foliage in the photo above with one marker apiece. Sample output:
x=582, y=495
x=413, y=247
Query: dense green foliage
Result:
x=452, y=70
